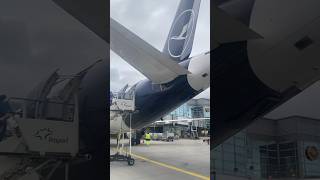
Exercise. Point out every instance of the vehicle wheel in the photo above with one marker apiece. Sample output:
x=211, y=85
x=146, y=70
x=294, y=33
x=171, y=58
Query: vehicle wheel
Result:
x=137, y=141
x=130, y=162
x=133, y=142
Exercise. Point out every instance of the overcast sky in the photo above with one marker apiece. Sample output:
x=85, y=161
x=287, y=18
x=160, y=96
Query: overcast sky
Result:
x=306, y=104
x=36, y=38
x=151, y=20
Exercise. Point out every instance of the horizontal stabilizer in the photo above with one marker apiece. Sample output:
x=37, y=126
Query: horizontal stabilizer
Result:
x=156, y=66
x=92, y=14
x=227, y=29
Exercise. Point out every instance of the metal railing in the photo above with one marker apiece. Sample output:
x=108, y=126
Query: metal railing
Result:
x=31, y=108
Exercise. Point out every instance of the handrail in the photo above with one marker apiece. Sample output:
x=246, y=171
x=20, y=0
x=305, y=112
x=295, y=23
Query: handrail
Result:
x=37, y=100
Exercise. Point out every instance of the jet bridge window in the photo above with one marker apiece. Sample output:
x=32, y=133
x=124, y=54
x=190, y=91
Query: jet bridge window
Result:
x=45, y=109
x=59, y=112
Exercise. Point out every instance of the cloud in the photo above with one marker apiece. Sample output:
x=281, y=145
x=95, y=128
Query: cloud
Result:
x=121, y=73
x=37, y=37
x=303, y=104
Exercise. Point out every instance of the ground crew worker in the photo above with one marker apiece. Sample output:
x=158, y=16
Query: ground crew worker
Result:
x=148, y=138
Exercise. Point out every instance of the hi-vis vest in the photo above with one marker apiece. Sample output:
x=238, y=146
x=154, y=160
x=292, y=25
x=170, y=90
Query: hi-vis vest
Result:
x=148, y=136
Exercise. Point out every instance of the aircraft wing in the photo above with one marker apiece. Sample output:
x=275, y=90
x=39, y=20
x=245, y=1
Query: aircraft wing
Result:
x=142, y=56
x=227, y=29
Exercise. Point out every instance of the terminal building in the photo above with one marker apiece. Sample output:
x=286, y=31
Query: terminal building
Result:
x=287, y=148
x=193, y=109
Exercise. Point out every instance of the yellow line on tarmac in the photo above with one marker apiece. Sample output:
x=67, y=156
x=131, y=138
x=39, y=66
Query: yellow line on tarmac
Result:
x=173, y=167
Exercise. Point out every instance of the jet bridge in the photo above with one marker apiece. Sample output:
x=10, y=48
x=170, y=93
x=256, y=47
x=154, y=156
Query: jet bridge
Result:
x=43, y=134
x=122, y=105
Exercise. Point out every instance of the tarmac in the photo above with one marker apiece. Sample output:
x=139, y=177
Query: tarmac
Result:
x=183, y=159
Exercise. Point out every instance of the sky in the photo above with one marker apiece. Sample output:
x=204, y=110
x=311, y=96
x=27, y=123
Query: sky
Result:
x=151, y=20
x=36, y=38
x=306, y=104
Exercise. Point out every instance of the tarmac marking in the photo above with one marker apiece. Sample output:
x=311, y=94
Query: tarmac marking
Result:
x=172, y=167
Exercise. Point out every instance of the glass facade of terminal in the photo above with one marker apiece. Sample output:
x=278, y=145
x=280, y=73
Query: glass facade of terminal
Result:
x=253, y=156
x=183, y=112
x=195, y=108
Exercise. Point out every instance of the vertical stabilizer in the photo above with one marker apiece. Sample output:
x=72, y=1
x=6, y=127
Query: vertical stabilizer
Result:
x=180, y=38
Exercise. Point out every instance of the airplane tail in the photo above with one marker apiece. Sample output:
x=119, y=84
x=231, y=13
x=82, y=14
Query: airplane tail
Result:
x=180, y=38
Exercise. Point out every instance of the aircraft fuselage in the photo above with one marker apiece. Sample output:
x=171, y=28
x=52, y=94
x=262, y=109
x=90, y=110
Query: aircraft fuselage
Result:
x=153, y=101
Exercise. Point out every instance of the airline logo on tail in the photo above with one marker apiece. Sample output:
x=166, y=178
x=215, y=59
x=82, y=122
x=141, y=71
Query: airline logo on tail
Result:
x=179, y=36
